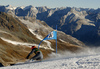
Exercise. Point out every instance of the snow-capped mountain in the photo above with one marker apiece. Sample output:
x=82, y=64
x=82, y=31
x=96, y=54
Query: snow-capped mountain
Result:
x=81, y=23
x=18, y=35
x=27, y=26
x=10, y=7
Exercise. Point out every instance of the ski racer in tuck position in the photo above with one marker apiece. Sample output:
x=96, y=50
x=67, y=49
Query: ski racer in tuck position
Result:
x=38, y=54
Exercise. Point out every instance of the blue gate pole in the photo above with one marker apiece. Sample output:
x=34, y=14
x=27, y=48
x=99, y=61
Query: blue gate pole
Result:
x=56, y=40
x=39, y=44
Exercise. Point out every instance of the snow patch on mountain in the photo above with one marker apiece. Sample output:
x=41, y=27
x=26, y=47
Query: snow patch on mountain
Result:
x=17, y=43
x=36, y=26
x=4, y=32
x=10, y=7
x=26, y=44
x=31, y=29
x=27, y=7
x=39, y=37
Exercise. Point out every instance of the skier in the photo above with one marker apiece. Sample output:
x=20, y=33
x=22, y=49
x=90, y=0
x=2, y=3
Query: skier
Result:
x=38, y=54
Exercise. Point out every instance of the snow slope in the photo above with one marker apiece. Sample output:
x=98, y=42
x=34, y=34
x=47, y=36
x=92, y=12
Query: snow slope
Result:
x=88, y=59
x=79, y=62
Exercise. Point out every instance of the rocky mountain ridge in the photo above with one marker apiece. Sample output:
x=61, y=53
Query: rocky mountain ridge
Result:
x=18, y=35
x=81, y=23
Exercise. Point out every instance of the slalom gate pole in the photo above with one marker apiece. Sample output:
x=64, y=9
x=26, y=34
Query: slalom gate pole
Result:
x=56, y=40
x=39, y=44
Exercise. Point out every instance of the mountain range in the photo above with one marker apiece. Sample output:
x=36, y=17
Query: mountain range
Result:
x=18, y=32
x=81, y=23
x=22, y=27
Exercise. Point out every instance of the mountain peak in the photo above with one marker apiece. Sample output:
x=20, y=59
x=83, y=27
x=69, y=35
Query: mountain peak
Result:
x=27, y=7
x=10, y=7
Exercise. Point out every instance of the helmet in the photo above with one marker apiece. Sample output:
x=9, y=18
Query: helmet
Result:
x=33, y=47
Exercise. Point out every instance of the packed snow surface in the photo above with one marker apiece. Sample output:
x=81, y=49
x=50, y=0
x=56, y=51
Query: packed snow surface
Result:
x=89, y=60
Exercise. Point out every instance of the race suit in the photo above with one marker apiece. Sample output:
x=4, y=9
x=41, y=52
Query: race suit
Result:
x=38, y=54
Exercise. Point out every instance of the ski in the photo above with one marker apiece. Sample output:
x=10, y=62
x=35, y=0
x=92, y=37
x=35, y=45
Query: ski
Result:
x=26, y=62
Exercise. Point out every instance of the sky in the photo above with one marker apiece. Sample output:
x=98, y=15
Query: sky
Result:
x=54, y=3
